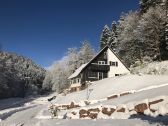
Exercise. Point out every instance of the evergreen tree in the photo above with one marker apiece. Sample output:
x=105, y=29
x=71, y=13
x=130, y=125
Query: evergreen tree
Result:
x=152, y=32
x=146, y=4
x=113, y=38
x=165, y=38
x=105, y=37
x=128, y=45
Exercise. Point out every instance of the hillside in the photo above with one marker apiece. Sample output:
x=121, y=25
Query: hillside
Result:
x=18, y=75
x=114, y=86
x=124, y=97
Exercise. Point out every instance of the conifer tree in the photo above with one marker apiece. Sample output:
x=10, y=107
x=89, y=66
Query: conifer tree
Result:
x=165, y=7
x=152, y=31
x=114, y=39
x=146, y=4
x=128, y=45
x=105, y=37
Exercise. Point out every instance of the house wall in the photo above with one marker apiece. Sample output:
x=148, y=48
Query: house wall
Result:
x=75, y=82
x=120, y=69
x=101, y=57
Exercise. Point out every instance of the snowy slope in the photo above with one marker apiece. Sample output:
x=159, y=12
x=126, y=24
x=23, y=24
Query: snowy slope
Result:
x=116, y=85
x=139, y=96
x=128, y=102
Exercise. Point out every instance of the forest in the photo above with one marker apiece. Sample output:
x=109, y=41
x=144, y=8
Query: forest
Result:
x=138, y=37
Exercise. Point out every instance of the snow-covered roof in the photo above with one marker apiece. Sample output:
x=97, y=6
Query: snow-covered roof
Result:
x=77, y=72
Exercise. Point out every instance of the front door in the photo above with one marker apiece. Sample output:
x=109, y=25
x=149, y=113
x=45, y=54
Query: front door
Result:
x=100, y=75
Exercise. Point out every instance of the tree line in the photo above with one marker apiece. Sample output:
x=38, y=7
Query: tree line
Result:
x=19, y=76
x=140, y=35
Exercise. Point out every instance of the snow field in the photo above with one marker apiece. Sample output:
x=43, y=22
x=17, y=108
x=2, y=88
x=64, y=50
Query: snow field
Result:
x=132, y=96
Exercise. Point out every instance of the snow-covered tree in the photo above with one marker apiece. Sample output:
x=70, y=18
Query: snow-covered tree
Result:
x=113, y=38
x=105, y=37
x=86, y=53
x=128, y=45
x=47, y=83
x=146, y=4
x=60, y=75
x=73, y=57
x=19, y=75
x=57, y=77
x=152, y=31
x=165, y=38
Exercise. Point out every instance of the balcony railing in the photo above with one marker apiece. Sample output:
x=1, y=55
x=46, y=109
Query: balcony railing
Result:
x=100, y=68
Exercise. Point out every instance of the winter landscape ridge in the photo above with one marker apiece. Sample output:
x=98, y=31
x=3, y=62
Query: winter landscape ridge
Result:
x=116, y=76
x=148, y=88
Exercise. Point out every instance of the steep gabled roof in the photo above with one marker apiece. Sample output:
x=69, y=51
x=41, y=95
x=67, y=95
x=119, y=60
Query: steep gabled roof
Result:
x=77, y=71
x=84, y=66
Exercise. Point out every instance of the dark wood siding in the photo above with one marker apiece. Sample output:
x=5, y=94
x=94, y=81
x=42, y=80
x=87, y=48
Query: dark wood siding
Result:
x=96, y=68
x=101, y=57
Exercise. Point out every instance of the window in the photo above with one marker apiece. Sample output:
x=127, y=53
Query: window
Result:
x=101, y=62
x=78, y=80
x=116, y=63
x=92, y=74
x=100, y=75
x=74, y=81
x=113, y=63
x=105, y=55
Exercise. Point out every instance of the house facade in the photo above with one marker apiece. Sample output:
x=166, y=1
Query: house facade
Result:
x=104, y=65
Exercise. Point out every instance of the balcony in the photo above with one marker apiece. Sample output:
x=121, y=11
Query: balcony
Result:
x=99, y=68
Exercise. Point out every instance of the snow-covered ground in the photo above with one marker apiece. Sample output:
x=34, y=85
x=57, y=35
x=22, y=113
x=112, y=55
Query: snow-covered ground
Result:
x=116, y=85
x=139, y=96
x=52, y=122
x=128, y=102
x=14, y=106
x=144, y=89
x=12, y=102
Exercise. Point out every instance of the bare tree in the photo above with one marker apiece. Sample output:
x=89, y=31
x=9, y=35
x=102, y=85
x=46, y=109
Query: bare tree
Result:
x=57, y=78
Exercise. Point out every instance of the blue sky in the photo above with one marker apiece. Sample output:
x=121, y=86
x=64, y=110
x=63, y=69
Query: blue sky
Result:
x=44, y=29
